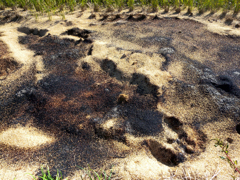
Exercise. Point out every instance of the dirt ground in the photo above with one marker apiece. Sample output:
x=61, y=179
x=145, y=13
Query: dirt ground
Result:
x=142, y=92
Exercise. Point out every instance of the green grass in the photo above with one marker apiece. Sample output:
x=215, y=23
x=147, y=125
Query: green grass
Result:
x=49, y=5
x=224, y=147
x=46, y=175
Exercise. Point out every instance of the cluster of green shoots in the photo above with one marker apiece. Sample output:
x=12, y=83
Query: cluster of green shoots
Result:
x=46, y=175
x=50, y=5
x=224, y=147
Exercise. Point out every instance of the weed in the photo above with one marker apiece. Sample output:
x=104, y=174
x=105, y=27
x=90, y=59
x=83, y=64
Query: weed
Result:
x=224, y=147
x=130, y=4
x=109, y=4
x=154, y=5
x=63, y=16
x=178, y=10
x=119, y=4
x=91, y=173
x=48, y=176
x=2, y=6
x=189, y=4
x=236, y=6
x=83, y=4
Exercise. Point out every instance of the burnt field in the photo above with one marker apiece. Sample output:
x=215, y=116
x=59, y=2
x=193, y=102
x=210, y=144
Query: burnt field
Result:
x=136, y=93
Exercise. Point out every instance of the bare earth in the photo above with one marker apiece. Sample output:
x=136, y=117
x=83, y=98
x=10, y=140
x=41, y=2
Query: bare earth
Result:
x=139, y=92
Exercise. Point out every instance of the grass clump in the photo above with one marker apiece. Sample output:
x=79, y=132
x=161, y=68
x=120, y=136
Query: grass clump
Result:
x=224, y=147
x=47, y=175
x=49, y=5
x=130, y=4
x=92, y=174
x=154, y=5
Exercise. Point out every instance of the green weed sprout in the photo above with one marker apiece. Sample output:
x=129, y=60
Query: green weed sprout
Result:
x=120, y=4
x=236, y=6
x=48, y=175
x=83, y=4
x=130, y=4
x=224, y=147
x=189, y=4
x=95, y=175
x=154, y=5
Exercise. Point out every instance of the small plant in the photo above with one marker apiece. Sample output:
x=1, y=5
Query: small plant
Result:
x=49, y=14
x=119, y=4
x=165, y=4
x=96, y=4
x=130, y=4
x=36, y=16
x=189, y=3
x=154, y=5
x=48, y=175
x=236, y=6
x=178, y=10
x=2, y=7
x=109, y=4
x=83, y=4
x=63, y=15
x=224, y=147
x=91, y=173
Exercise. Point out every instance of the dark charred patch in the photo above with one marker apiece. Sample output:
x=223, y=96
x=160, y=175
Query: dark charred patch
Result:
x=69, y=23
x=35, y=31
x=156, y=18
x=165, y=155
x=230, y=140
x=83, y=33
x=173, y=122
x=167, y=62
x=86, y=66
x=116, y=17
x=88, y=41
x=111, y=68
x=143, y=85
x=143, y=122
x=58, y=54
x=139, y=17
x=224, y=84
x=104, y=17
x=122, y=99
x=92, y=16
x=90, y=51
x=7, y=63
x=228, y=21
x=8, y=16
x=130, y=17
x=193, y=141
x=27, y=39
x=238, y=128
